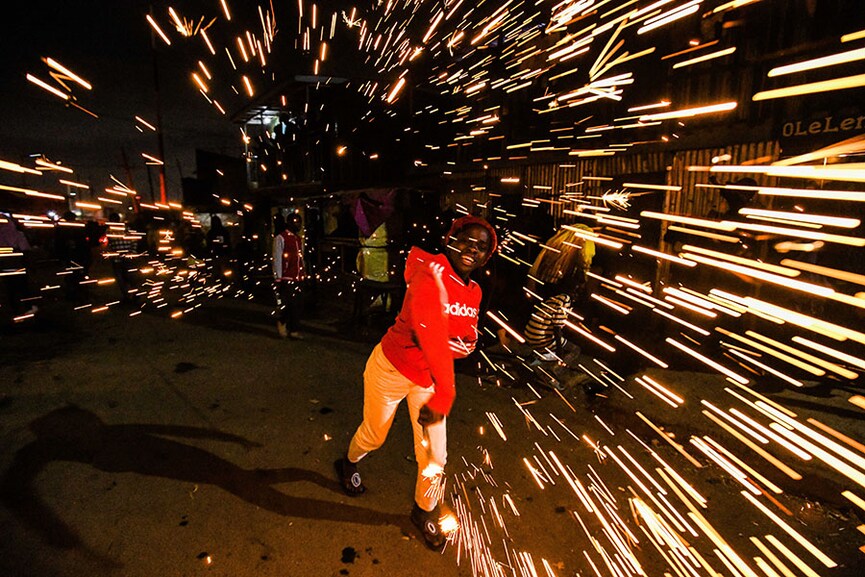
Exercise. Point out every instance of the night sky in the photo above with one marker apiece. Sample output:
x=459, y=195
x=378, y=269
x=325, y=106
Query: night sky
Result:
x=108, y=44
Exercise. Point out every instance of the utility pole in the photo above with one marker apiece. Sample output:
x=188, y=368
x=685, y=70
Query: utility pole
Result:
x=160, y=141
x=130, y=181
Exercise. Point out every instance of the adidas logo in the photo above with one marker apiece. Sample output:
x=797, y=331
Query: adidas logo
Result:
x=460, y=310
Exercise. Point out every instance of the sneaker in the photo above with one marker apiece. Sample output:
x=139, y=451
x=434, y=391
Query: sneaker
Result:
x=428, y=524
x=281, y=329
x=593, y=388
x=547, y=356
x=555, y=384
x=349, y=477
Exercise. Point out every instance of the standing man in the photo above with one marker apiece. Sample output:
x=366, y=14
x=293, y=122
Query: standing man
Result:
x=218, y=245
x=14, y=249
x=288, y=273
x=414, y=361
x=73, y=249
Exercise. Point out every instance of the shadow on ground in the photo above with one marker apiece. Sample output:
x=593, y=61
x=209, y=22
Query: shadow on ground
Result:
x=73, y=434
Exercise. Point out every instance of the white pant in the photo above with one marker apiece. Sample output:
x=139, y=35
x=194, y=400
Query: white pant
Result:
x=384, y=387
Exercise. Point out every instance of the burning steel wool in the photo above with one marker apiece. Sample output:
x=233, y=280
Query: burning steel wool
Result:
x=696, y=162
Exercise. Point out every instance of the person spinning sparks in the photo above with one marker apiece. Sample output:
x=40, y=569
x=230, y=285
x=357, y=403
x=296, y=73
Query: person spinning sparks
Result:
x=414, y=361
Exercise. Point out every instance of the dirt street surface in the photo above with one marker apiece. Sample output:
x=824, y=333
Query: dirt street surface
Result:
x=205, y=445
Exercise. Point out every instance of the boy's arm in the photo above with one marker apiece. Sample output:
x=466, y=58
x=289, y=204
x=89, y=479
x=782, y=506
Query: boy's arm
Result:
x=430, y=327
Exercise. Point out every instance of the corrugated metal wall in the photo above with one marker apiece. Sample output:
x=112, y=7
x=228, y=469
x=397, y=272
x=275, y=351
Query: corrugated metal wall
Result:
x=549, y=181
x=699, y=202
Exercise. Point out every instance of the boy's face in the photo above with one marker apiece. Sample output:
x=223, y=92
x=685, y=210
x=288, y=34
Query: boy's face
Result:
x=469, y=250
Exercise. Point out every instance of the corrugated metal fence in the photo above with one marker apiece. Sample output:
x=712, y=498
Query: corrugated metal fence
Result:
x=560, y=183
x=549, y=181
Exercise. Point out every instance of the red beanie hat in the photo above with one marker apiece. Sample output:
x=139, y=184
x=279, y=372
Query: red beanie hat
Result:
x=465, y=221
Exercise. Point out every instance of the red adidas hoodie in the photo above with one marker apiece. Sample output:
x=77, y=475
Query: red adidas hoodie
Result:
x=433, y=327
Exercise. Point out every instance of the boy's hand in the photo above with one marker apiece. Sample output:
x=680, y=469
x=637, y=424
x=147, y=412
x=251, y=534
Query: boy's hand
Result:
x=437, y=271
x=429, y=416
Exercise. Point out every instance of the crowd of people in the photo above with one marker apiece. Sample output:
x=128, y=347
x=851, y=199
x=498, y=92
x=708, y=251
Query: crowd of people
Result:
x=67, y=251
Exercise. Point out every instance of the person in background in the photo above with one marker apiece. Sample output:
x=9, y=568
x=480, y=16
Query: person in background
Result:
x=217, y=238
x=288, y=274
x=545, y=351
x=218, y=246
x=565, y=289
x=556, y=285
x=14, y=247
x=415, y=361
x=73, y=252
x=120, y=251
x=372, y=257
x=544, y=329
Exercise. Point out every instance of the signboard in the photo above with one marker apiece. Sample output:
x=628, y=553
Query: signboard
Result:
x=825, y=126
x=799, y=135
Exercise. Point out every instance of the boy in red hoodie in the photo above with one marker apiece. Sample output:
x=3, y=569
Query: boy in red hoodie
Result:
x=414, y=361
